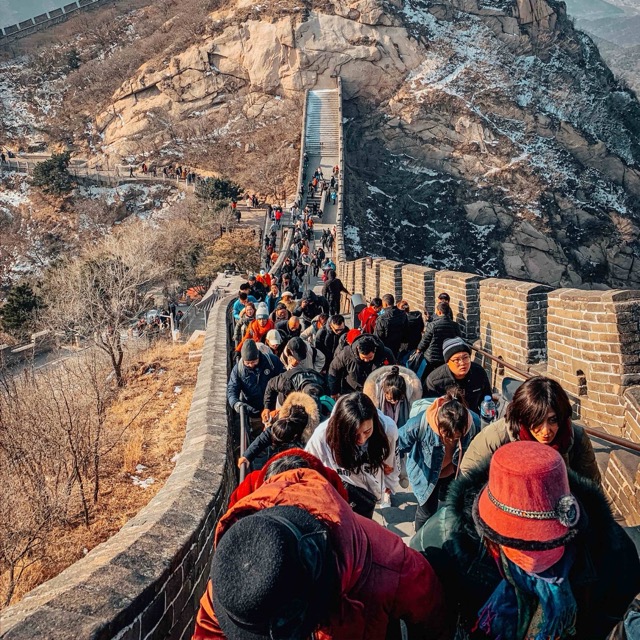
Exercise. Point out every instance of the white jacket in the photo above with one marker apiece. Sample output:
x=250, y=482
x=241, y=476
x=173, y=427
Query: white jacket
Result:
x=375, y=483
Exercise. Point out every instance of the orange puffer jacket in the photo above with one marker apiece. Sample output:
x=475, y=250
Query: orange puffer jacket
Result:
x=381, y=579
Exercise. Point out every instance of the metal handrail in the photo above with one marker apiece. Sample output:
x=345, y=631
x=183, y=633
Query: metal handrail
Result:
x=601, y=435
x=243, y=440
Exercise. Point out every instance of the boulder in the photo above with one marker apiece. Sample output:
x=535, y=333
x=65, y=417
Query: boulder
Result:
x=527, y=235
x=481, y=213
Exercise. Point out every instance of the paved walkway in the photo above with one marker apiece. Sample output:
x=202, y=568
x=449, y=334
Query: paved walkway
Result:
x=399, y=515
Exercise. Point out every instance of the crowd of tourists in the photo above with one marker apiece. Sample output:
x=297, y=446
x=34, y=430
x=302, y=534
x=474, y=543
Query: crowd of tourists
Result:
x=514, y=538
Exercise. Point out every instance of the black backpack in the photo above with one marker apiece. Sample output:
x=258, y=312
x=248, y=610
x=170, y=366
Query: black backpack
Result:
x=304, y=379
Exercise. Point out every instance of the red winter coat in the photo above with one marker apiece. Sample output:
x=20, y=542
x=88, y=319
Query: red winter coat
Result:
x=368, y=317
x=381, y=579
x=255, y=479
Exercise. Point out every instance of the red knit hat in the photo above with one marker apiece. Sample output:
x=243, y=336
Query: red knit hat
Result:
x=527, y=505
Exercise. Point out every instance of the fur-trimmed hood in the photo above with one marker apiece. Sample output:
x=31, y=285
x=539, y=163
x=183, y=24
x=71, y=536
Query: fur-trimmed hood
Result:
x=596, y=521
x=375, y=379
x=605, y=576
x=310, y=406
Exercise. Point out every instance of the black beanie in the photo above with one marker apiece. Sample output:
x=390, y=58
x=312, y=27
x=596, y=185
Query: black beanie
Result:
x=249, y=351
x=267, y=572
x=297, y=348
x=454, y=345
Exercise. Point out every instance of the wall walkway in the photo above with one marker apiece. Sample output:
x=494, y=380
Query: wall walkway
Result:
x=146, y=581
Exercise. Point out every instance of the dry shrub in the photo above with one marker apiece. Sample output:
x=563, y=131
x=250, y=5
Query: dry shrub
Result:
x=49, y=445
x=132, y=452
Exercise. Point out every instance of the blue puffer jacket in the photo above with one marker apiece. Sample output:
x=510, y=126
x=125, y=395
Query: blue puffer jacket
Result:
x=253, y=382
x=425, y=453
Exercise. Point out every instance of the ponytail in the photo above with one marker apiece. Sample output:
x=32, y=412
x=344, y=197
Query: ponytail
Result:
x=453, y=414
x=395, y=385
x=288, y=429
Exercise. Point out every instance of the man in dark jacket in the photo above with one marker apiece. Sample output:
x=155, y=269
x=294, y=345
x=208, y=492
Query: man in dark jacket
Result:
x=328, y=337
x=298, y=378
x=332, y=290
x=460, y=372
x=258, y=290
x=287, y=284
x=351, y=367
x=289, y=328
x=310, y=306
x=442, y=328
x=391, y=325
x=415, y=325
x=250, y=376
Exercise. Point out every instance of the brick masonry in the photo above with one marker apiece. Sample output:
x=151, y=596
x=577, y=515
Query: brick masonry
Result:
x=391, y=278
x=359, y=267
x=594, y=351
x=418, y=287
x=146, y=581
x=464, y=289
x=513, y=320
x=372, y=277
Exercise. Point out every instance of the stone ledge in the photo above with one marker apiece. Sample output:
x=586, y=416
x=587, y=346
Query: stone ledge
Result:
x=126, y=586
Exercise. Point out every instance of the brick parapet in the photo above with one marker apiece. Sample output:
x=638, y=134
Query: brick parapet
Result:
x=631, y=427
x=360, y=267
x=418, y=287
x=513, y=320
x=464, y=289
x=372, y=278
x=391, y=278
x=146, y=581
x=593, y=348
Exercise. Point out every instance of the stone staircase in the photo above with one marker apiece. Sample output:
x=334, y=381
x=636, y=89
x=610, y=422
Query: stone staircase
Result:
x=322, y=134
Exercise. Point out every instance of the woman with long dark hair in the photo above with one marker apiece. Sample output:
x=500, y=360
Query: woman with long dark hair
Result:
x=541, y=412
x=359, y=443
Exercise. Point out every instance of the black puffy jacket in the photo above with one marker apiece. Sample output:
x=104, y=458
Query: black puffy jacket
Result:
x=327, y=341
x=348, y=372
x=475, y=385
x=296, y=379
x=441, y=329
x=314, y=306
x=391, y=328
x=415, y=327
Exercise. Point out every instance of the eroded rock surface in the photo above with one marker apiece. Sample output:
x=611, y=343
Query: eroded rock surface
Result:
x=488, y=136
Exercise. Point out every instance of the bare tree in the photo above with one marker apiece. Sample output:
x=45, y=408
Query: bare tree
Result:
x=237, y=250
x=99, y=295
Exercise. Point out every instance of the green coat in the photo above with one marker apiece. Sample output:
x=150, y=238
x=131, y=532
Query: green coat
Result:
x=580, y=457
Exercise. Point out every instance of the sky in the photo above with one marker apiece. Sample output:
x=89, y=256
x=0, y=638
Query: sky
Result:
x=14, y=11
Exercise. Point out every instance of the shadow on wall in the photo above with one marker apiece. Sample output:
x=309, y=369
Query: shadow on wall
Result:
x=461, y=319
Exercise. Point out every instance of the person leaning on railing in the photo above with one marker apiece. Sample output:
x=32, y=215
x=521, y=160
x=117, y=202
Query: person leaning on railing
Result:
x=540, y=411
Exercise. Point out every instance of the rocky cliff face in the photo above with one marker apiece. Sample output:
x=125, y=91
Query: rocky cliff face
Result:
x=484, y=136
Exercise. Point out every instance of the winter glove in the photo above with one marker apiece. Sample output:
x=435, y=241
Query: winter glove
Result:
x=250, y=410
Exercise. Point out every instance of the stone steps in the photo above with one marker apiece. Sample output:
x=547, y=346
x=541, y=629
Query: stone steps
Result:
x=322, y=133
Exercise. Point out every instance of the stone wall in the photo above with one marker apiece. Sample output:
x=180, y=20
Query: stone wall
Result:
x=594, y=351
x=146, y=581
x=46, y=20
x=513, y=319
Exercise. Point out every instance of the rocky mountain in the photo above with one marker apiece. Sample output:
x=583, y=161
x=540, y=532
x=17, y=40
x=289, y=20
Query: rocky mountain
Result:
x=486, y=136
x=615, y=27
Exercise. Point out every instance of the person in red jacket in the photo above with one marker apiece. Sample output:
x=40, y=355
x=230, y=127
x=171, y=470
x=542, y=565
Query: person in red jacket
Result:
x=292, y=458
x=369, y=315
x=293, y=561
